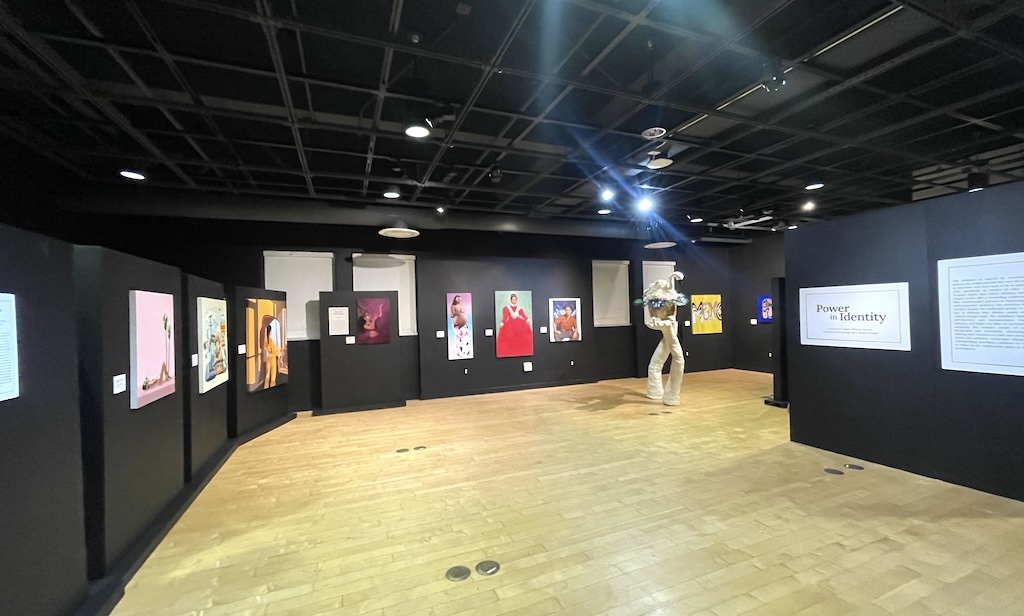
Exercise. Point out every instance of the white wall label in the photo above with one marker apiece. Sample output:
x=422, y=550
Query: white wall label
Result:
x=753, y=321
x=195, y=359
x=686, y=323
x=439, y=333
x=527, y=366
x=350, y=339
x=488, y=332
x=543, y=330
x=865, y=316
x=337, y=321
x=981, y=314
x=120, y=384
x=9, y=375
x=241, y=349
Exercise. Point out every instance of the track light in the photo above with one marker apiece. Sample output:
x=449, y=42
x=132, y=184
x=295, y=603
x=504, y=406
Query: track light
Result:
x=607, y=195
x=495, y=174
x=697, y=219
x=645, y=205
x=132, y=174
x=773, y=77
x=977, y=181
x=791, y=227
x=392, y=192
x=604, y=211
x=440, y=210
x=807, y=207
x=814, y=186
x=779, y=226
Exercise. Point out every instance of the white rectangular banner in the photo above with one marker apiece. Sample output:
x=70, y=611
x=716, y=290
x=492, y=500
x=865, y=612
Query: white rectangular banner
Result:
x=981, y=314
x=9, y=375
x=864, y=316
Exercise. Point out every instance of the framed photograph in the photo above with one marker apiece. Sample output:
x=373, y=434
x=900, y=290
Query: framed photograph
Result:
x=266, y=345
x=151, y=346
x=564, y=319
x=512, y=317
x=460, y=326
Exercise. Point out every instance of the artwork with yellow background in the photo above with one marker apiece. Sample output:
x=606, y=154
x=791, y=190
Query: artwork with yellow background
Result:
x=266, y=346
x=706, y=314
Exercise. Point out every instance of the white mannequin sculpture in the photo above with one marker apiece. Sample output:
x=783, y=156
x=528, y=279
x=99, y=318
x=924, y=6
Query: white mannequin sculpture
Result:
x=663, y=318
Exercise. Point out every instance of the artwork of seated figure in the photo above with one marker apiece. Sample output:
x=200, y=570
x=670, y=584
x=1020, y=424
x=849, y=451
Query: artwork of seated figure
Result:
x=662, y=299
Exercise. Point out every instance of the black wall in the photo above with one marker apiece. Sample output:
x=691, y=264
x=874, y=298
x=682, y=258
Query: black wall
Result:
x=553, y=363
x=42, y=532
x=133, y=459
x=206, y=415
x=251, y=411
x=752, y=268
x=900, y=408
x=359, y=377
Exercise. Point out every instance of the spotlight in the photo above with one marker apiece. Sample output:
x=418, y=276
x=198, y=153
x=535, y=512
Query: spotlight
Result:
x=645, y=205
x=495, y=174
x=697, y=219
x=779, y=227
x=417, y=130
x=392, y=192
x=977, y=182
x=773, y=77
x=607, y=195
x=791, y=227
x=132, y=174
x=604, y=212
x=807, y=207
x=440, y=210
x=814, y=186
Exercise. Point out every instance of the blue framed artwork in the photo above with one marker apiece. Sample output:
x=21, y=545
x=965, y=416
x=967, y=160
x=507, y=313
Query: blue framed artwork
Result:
x=764, y=308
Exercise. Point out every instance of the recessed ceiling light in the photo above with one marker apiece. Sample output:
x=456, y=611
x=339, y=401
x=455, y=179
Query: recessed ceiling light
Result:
x=604, y=212
x=440, y=210
x=131, y=174
x=698, y=219
x=807, y=207
x=607, y=195
x=814, y=186
x=791, y=227
x=659, y=245
x=645, y=205
x=655, y=132
x=417, y=131
x=401, y=233
x=392, y=192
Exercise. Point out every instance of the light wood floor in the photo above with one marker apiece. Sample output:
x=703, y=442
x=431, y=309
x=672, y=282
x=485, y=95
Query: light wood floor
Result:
x=590, y=504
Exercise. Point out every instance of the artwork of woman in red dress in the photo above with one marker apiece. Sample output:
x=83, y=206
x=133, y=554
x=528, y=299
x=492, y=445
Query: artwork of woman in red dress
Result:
x=515, y=334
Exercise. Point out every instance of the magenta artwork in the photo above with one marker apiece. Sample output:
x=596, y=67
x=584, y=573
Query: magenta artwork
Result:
x=373, y=323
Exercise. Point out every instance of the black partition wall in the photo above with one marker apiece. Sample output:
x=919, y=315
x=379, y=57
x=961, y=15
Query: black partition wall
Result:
x=358, y=377
x=250, y=411
x=133, y=459
x=206, y=414
x=42, y=532
x=553, y=363
x=901, y=408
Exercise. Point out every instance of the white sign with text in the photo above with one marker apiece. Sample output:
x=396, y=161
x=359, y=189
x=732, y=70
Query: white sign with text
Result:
x=864, y=316
x=981, y=314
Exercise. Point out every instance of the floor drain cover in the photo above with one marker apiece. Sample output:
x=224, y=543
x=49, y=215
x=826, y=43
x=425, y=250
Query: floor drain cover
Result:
x=457, y=574
x=833, y=471
x=855, y=467
x=420, y=448
x=488, y=567
x=401, y=450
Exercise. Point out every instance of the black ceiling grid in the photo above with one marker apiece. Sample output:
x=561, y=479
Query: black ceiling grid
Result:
x=538, y=105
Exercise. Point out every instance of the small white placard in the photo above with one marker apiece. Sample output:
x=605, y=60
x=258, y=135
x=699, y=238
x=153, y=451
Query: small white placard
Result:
x=753, y=321
x=337, y=321
x=350, y=339
x=543, y=330
x=120, y=384
x=488, y=332
x=686, y=323
x=439, y=334
x=527, y=366
x=195, y=359
x=241, y=349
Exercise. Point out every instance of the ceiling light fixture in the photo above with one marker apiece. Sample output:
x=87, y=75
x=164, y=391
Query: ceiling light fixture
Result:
x=399, y=233
x=132, y=174
x=440, y=210
x=392, y=192
x=656, y=162
x=697, y=219
x=654, y=132
x=604, y=212
x=717, y=239
x=645, y=205
x=659, y=245
x=807, y=207
x=977, y=181
x=773, y=77
x=814, y=186
x=607, y=195
x=417, y=130
x=791, y=227
x=495, y=174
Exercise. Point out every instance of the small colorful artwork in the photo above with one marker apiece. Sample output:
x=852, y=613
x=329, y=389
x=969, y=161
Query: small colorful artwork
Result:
x=151, y=346
x=512, y=316
x=373, y=325
x=564, y=314
x=706, y=314
x=213, y=343
x=460, y=326
x=266, y=345
x=764, y=309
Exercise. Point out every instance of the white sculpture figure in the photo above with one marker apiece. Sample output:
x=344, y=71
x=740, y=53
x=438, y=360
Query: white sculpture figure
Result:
x=661, y=298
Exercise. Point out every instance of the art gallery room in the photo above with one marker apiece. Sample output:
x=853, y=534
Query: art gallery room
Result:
x=511, y=307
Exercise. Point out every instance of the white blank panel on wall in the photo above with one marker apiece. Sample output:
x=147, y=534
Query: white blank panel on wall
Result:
x=611, y=293
x=302, y=275
x=389, y=273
